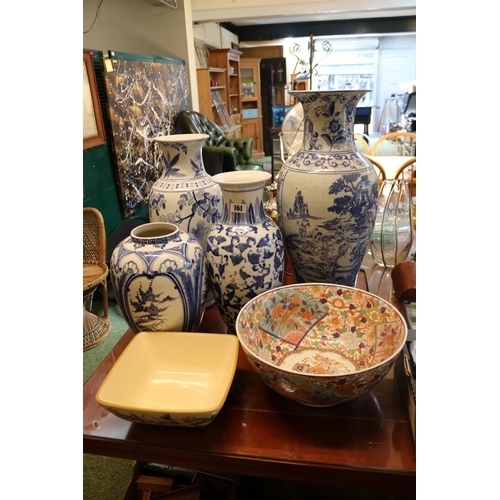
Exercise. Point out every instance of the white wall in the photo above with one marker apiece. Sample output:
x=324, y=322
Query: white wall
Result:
x=209, y=33
x=396, y=65
x=227, y=38
x=143, y=27
x=215, y=36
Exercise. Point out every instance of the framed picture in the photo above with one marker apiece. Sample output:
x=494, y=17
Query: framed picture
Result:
x=137, y=117
x=93, y=124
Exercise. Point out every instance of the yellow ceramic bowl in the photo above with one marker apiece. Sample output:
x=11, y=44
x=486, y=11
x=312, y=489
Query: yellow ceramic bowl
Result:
x=171, y=378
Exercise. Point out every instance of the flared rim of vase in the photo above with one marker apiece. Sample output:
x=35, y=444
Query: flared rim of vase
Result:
x=181, y=138
x=237, y=178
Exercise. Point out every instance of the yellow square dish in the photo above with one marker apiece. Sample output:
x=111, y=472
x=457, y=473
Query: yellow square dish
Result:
x=171, y=378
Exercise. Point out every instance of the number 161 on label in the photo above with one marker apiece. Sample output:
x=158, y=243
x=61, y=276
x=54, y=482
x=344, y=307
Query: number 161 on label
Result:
x=239, y=208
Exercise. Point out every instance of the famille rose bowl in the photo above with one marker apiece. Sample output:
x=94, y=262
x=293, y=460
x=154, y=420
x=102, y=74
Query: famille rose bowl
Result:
x=320, y=344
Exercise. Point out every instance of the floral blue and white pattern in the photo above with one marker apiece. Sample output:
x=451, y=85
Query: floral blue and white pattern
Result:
x=245, y=252
x=159, y=278
x=327, y=192
x=185, y=195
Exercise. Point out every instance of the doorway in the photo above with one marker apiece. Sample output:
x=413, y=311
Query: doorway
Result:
x=392, y=71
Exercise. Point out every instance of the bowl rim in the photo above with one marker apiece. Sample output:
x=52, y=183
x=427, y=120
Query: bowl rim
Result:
x=387, y=361
x=232, y=341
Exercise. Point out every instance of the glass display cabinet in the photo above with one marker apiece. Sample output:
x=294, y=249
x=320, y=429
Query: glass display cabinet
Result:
x=251, y=107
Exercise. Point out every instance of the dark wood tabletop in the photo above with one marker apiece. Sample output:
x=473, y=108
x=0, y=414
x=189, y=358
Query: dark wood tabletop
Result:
x=258, y=432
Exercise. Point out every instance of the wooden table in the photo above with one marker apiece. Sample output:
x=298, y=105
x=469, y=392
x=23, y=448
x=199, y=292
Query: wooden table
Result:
x=366, y=442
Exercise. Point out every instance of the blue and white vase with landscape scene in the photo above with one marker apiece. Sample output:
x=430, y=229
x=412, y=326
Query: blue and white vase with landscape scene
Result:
x=245, y=252
x=185, y=194
x=327, y=192
x=159, y=278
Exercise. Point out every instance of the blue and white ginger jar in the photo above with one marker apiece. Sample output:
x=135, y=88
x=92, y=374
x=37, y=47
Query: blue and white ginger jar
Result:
x=158, y=275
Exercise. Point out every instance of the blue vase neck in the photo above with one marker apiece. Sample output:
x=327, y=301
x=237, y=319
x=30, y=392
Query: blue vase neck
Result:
x=182, y=158
x=242, y=196
x=243, y=207
x=329, y=119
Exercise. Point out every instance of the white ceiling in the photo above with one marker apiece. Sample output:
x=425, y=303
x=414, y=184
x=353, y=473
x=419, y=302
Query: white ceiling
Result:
x=259, y=12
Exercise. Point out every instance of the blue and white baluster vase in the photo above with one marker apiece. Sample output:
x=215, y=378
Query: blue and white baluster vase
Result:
x=185, y=194
x=245, y=252
x=158, y=275
x=327, y=192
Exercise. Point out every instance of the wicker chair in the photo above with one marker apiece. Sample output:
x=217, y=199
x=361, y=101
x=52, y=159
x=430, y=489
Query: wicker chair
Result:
x=95, y=272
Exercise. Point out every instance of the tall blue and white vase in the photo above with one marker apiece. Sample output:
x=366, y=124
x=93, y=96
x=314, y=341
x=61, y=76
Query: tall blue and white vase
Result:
x=245, y=252
x=185, y=194
x=158, y=275
x=327, y=192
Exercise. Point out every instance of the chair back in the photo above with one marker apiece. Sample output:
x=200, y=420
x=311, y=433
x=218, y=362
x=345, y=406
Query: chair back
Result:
x=192, y=122
x=408, y=172
x=95, y=271
x=361, y=144
x=94, y=237
x=396, y=144
x=382, y=176
x=238, y=151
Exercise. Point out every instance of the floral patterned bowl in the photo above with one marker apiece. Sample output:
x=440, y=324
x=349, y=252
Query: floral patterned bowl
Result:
x=320, y=344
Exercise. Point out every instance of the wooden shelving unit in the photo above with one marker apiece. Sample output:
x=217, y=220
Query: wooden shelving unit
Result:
x=251, y=107
x=212, y=95
x=229, y=59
